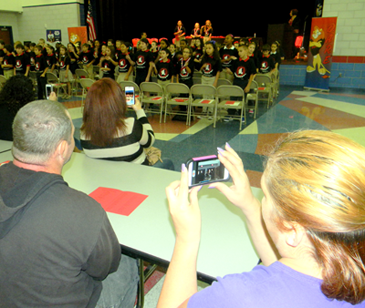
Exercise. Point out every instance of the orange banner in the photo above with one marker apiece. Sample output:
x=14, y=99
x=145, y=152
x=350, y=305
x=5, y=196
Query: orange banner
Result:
x=77, y=34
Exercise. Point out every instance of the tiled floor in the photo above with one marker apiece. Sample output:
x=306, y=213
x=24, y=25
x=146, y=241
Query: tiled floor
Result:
x=340, y=111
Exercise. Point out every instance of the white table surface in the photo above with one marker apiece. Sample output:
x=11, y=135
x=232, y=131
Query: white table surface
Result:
x=5, y=145
x=225, y=245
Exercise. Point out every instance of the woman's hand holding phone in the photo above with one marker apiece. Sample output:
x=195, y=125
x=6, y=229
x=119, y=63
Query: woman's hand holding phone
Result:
x=239, y=193
x=185, y=214
x=137, y=105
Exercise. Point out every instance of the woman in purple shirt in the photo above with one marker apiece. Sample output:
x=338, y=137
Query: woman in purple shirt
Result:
x=309, y=229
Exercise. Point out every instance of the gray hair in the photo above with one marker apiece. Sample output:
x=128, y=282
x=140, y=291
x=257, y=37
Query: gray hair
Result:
x=38, y=128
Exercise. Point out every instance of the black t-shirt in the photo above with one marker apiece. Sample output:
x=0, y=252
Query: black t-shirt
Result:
x=123, y=63
x=40, y=63
x=86, y=57
x=243, y=69
x=211, y=66
x=108, y=64
x=266, y=64
x=50, y=60
x=142, y=59
x=165, y=70
x=184, y=75
x=8, y=60
x=225, y=53
x=21, y=63
x=64, y=61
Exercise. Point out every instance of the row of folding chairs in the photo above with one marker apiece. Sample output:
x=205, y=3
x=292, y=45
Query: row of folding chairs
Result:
x=210, y=99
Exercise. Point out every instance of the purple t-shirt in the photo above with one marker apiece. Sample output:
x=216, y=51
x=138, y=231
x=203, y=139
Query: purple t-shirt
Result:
x=264, y=287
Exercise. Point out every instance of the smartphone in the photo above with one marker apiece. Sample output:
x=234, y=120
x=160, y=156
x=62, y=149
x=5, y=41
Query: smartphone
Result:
x=49, y=89
x=205, y=170
x=129, y=95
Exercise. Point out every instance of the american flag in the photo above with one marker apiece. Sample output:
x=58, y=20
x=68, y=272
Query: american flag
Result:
x=90, y=22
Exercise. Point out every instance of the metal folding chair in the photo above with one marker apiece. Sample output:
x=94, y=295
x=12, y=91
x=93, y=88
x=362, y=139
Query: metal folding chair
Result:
x=265, y=88
x=173, y=97
x=204, y=96
x=155, y=96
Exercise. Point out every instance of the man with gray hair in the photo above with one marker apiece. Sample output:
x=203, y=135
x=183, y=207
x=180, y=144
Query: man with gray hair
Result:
x=56, y=244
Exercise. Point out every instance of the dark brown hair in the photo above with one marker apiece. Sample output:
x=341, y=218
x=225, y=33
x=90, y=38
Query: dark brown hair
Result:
x=104, y=112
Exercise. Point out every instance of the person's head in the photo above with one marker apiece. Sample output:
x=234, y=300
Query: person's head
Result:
x=91, y=43
x=110, y=51
x=186, y=53
x=243, y=51
x=172, y=48
x=198, y=42
x=196, y=26
x=38, y=50
x=27, y=46
x=274, y=47
x=49, y=49
x=104, y=112
x=251, y=48
x=123, y=47
x=117, y=44
x=38, y=129
x=228, y=40
x=183, y=44
x=110, y=42
x=208, y=23
x=164, y=53
x=17, y=92
x=315, y=184
x=8, y=48
x=143, y=44
x=103, y=49
x=154, y=45
x=2, y=44
x=71, y=47
x=179, y=23
x=96, y=43
x=63, y=50
x=266, y=49
x=210, y=48
x=294, y=12
x=143, y=35
x=85, y=47
x=19, y=49
x=164, y=44
x=41, y=42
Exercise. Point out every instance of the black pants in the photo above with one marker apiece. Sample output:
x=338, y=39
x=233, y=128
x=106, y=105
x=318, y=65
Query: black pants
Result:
x=42, y=81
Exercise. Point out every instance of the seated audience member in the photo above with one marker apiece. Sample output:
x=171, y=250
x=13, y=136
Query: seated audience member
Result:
x=309, y=230
x=266, y=63
x=106, y=132
x=57, y=248
x=179, y=32
x=17, y=92
x=206, y=31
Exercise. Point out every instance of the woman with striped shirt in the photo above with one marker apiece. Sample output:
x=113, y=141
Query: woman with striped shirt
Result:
x=106, y=132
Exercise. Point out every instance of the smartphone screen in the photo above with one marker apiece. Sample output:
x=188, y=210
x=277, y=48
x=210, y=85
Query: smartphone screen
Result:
x=129, y=95
x=49, y=89
x=205, y=170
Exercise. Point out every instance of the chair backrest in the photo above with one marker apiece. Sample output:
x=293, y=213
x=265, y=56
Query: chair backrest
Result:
x=230, y=90
x=151, y=87
x=52, y=77
x=263, y=79
x=128, y=83
x=222, y=81
x=86, y=83
x=177, y=88
x=203, y=89
x=254, y=86
x=81, y=73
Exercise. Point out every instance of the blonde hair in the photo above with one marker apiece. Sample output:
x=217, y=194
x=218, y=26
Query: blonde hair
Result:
x=317, y=179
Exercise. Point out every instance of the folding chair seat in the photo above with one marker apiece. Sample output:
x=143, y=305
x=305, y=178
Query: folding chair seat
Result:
x=265, y=88
x=155, y=96
x=204, y=96
x=177, y=94
x=55, y=82
x=224, y=93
